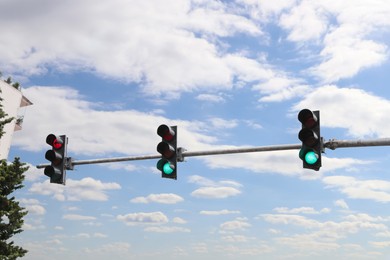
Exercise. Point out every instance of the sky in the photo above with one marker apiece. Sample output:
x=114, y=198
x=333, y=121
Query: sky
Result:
x=228, y=74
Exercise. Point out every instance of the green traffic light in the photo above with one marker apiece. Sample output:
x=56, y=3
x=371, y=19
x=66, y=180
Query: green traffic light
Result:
x=168, y=168
x=311, y=157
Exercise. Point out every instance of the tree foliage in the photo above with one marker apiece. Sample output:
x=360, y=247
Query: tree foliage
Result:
x=11, y=213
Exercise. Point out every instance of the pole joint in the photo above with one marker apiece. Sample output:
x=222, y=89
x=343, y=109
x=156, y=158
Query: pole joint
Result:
x=180, y=151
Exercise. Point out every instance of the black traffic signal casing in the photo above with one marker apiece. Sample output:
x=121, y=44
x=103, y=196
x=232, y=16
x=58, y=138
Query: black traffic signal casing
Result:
x=312, y=144
x=57, y=156
x=168, y=150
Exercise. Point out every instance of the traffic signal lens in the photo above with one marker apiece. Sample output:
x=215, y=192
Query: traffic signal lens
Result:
x=57, y=144
x=168, y=168
x=311, y=157
x=52, y=140
x=165, y=166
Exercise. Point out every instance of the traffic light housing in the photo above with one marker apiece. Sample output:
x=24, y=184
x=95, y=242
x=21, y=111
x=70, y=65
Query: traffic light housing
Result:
x=57, y=156
x=312, y=144
x=168, y=150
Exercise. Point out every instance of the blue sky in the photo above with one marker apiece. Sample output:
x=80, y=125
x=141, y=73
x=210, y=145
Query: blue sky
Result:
x=229, y=74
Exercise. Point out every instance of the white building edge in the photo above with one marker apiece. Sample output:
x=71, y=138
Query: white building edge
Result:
x=13, y=101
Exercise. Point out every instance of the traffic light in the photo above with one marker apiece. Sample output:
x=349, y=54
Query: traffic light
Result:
x=57, y=157
x=310, y=136
x=168, y=150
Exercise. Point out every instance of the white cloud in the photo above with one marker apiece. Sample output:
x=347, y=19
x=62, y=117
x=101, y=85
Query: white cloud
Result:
x=83, y=235
x=264, y=10
x=304, y=22
x=377, y=190
x=99, y=235
x=220, y=123
x=163, y=198
x=165, y=229
x=348, y=47
x=344, y=59
x=253, y=124
x=214, y=189
x=143, y=218
x=215, y=192
x=125, y=41
x=50, y=102
x=150, y=49
x=348, y=32
x=117, y=249
x=237, y=239
x=81, y=119
x=329, y=231
x=273, y=84
x=86, y=235
x=301, y=210
x=84, y=189
x=121, y=166
x=78, y=118
x=77, y=217
x=238, y=224
x=210, y=98
x=36, y=209
x=33, y=174
x=363, y=115
x=380, y=244
x=218, y=212
x=200, y=180
x=282, y=162
x=178, y=220
x=341, y=203
x=203, y=181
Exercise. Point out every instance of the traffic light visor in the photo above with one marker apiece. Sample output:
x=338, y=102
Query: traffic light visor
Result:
x=308, y=137
x=307, y=118
x=50, y=171
x=53, y=156
x=165, y=132
x=166, y=150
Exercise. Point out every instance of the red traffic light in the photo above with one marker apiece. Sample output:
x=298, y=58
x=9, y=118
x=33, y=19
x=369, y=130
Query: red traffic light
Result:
x=307, y=118
x=57, y=156
x=166, y=132
x=54, y=141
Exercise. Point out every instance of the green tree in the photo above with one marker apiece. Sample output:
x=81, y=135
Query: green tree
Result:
x=11, y=213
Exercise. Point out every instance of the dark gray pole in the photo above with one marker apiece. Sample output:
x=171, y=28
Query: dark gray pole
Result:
x=331, y=144
x=334, y=143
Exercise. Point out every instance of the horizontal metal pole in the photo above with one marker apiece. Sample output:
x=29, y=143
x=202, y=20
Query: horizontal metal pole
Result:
x=107, y=160
x=117, y=159
x=331, y=144
x=184, y=154
x=244, y=150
